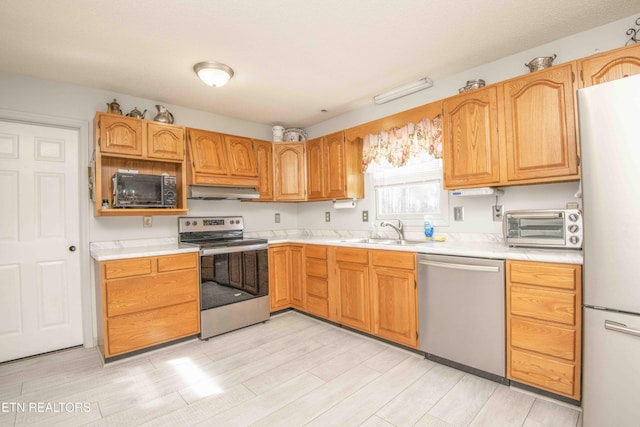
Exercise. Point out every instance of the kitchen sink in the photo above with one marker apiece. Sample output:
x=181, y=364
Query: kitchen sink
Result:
x=383, y=241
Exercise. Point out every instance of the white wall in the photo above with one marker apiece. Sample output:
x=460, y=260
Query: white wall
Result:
x=25, y=94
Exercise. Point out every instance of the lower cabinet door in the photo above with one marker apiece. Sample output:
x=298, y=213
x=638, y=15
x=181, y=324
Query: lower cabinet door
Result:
x=353, y=288
x=393, y=295
x=146, y=328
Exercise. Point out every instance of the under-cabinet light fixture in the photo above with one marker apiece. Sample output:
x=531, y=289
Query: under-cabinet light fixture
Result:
x=404, y=90
x=213, y=74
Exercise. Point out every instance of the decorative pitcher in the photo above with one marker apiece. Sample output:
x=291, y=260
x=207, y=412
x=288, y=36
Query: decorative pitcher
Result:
x=163, y=116
x=114, y=107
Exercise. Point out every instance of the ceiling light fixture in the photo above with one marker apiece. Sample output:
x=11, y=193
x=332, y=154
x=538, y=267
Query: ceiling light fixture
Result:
x=213, y=74
x=401, y=91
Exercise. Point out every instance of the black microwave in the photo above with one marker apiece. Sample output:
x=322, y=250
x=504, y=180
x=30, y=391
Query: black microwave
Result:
x=137, y=190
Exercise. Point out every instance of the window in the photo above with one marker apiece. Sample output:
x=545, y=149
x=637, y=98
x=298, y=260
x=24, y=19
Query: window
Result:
x=409, y=193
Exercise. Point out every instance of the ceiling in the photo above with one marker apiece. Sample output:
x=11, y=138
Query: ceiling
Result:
x=291, y=58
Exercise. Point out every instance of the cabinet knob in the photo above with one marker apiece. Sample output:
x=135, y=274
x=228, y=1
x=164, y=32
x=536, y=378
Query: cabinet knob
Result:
x=72, y=248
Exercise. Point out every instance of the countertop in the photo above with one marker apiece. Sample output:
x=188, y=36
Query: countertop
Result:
x=122, y=249
x=486, y=248
x=478, y=249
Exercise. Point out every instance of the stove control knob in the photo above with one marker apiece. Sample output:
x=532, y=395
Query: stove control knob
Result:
x=573, y=228
x=188, y=223
x=574, y=239
x=195, y=223
x=573, y=217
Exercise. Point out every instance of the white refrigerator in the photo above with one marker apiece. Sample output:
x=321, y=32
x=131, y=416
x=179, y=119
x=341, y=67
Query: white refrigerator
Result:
x=609, y=119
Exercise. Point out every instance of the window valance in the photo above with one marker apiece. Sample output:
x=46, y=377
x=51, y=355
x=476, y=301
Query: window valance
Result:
x=409, y=144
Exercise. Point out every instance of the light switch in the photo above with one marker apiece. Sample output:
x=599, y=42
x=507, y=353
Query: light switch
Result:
x=327, y=217
x=458, y=213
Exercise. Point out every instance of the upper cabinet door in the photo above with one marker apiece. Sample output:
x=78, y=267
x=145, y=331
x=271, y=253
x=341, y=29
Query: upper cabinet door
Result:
x=242, y=158
x=165, y=141
x=120, y=135
x=611, y=65
x=334, y=166
x=289, y=177
x=208, y=152
x=315, y=169
x=264, y=159
x=470, y=139
x=539, y=119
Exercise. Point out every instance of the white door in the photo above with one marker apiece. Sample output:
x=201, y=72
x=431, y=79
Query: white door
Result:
x=40, y=294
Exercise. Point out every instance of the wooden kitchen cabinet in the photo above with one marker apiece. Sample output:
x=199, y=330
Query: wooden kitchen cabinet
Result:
x=317, y=280
x=612, y=65
x=286, y=280
x=218, y=159
x=136, y=144
x=117, y=134
x=334, y=168
x=540, y=126
x=289, y=164
x=165, y=141
x=394, y=296
x=544, y=326
x=146, y=301
x=315, y=170
x=352, y=285
x=264, y=159
x=471, y=146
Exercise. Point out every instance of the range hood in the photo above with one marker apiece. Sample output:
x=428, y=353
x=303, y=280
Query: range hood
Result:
x=214, y=192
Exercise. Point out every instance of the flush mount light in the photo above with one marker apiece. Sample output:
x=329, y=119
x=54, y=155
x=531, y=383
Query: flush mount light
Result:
x=401, y=91
x=213, y=74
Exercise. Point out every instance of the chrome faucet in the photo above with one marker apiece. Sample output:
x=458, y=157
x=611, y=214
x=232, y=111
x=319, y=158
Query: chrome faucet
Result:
x=398, y=229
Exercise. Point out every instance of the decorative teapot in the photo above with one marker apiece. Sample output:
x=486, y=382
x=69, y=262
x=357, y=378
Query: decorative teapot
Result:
x=163, y=116
x=135, y=113
x=114, y=107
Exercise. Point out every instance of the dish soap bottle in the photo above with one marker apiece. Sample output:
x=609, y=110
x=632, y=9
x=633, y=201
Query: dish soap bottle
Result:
x=428, y=228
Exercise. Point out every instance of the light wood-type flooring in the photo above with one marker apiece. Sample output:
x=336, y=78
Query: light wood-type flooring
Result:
x=290, y=371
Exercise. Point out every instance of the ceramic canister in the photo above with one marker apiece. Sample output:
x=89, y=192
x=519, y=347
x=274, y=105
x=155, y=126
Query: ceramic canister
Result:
x=278, y=133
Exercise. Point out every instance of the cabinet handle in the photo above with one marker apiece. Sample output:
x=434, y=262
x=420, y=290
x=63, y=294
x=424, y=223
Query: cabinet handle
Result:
x=486, y=268
x=620, y=327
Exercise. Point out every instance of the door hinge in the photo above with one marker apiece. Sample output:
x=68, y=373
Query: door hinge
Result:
x=581, y=76
x=573, y=76
x=415, y=284
x=417, y=335
x=578, y=160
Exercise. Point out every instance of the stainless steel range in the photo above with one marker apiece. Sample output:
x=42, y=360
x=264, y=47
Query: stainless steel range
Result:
x=234, y=273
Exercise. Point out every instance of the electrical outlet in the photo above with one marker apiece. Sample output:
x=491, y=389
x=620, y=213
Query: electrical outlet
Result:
x=365, y=216
x=497, y=212
x=277, y=218
x=458, y=213
x=147, y=221
x=327, y=217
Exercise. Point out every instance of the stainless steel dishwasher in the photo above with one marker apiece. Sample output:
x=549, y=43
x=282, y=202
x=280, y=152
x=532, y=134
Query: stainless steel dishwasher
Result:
x=462, y=313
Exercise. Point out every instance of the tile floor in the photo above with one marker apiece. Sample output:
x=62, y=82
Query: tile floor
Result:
x=290, y=371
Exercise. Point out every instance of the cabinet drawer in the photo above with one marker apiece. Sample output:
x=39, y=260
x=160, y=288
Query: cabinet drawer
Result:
x=314, y=251
x=359, y=256
x=318, y=306
x=543, y=304
x=561, y=276
x=545, y=373
x=316, y=268
x=139, y=330
x=317, y=287
x=542, y=338
x=393, y=259
x=127, y=268
x=177, y=262
x=144, y=293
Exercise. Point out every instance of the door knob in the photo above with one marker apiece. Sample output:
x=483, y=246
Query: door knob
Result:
x=72, y=248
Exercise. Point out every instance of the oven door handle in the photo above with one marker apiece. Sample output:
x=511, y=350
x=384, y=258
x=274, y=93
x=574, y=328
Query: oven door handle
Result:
x=233, y=249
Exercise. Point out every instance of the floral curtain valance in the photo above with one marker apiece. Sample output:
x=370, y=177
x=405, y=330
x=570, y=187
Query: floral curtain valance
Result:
x=412, y=143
